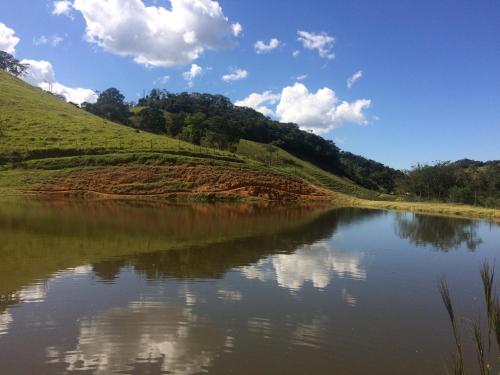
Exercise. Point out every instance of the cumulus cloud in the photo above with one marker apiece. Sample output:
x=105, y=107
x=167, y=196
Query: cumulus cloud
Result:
x=53, y=40
x=62, y=7
x=236, y=75
x=41, y=74
x=8, y=39
x=192, y=73
x=318, y=112
x=261, y=47
x=260, y=102
x=154, y=35
x=321, y=42
x=295, y=53
x=354, y=78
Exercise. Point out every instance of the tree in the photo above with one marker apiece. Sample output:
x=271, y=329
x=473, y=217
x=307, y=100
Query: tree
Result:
x=11, y=65
x=193, y=130
x=174, y=123
x=152, y=120
x=111, y=106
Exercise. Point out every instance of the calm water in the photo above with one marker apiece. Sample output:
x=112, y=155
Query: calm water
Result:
x=116, y=288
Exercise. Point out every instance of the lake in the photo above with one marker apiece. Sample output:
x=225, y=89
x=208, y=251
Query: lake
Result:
x=117, y=287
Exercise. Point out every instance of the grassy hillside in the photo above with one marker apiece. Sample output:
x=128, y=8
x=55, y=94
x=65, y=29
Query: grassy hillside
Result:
x=49, y=146
x=280, y=160
x=35, y=124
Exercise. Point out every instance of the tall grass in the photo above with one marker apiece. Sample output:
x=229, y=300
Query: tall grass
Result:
x=485, y=358
x=458, y=362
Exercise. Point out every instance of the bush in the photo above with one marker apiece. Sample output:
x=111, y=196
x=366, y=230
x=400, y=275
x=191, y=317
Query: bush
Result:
x=461, y=195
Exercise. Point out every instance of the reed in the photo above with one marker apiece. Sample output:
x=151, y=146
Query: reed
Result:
x=492, y=302
x=458, y=361
x=478, y=338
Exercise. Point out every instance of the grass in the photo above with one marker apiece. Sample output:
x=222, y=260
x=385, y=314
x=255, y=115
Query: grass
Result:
x=444, y=209
x=285, y=162
x=40, y=135
x=34, y=124
x=487, y=358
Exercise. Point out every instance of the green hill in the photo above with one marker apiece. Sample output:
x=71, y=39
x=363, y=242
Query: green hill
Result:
x=49, y=147
x=45, y=142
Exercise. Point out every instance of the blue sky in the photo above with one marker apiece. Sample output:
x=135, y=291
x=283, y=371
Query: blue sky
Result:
x=429, y=88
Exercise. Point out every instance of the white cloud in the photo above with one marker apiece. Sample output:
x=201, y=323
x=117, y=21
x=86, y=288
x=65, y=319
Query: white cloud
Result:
x=302, y=77
x=154, y=35
x=41, y=74
x=236, y=75
x=192, y=73
x=321, y=42
x=53, y=40
x=8, y=39
x=260, y=102
x=62, y=7
x=237, y=28
x=319, y=112
x=295, y=53
x=261, y=47
x=354, y=78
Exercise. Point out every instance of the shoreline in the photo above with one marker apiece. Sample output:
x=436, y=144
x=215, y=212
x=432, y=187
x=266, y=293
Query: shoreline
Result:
x=430, y=208
x=338, y=201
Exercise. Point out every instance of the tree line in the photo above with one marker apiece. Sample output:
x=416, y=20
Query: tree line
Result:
x=464, y=181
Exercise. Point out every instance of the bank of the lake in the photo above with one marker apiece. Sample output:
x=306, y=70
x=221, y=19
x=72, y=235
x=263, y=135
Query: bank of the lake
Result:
x=432, y=208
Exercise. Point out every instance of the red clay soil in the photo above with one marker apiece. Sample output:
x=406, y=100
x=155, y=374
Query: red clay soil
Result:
x=183, y=180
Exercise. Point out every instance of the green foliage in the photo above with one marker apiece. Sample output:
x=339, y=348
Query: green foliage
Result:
x=36, y=125
x=464, y=181
x=110, y=105
x=224, y=124
x=285, y=162
x=11, y=65
x=152, y=120
x=369, y=173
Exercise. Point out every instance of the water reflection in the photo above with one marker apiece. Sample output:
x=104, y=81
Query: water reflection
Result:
x=317, y=263
x=315, y=288
x=440, y=232
x=306, y=242
x=163, y=338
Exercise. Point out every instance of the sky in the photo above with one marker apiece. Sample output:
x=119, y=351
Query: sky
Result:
x=397, y=81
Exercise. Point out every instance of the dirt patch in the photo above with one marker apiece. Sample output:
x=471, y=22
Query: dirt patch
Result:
x=204, y=181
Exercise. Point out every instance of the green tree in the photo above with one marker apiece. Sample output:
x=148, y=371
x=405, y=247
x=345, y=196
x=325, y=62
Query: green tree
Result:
x=193, y=130
x=11, y=65
x=110, y=105
x=152, y=120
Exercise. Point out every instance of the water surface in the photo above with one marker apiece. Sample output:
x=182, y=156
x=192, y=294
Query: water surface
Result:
x=121, y=288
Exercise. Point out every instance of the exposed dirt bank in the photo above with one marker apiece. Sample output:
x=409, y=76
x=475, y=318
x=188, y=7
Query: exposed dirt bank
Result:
x=183, y=181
